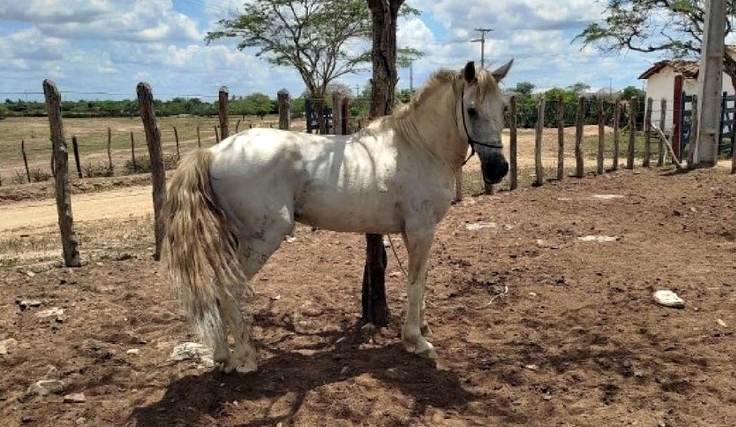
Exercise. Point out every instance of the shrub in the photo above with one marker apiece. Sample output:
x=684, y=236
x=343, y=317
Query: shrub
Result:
x=143, y=164
x=40, y=175
x=96, y=170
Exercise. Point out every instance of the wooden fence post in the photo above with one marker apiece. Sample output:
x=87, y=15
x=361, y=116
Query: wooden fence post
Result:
x=69, y=242
x=284, y=109
x=560, y=138
x=199, y=138
x=336, y=114
x=176, y=139
x=513, y=145
x=694, y=126
x=158, y=173
x=109, y=150
x=616, y=128
x=25, y=159
x=132, y=151
x=648, y=133
x=224, y=96
x=733, y=156
x=237, y=125
x=632, y=134
x=75, y=149
x=579, y=123
x=601, y=136
x=217, y=135
x=538, y=130
x=662, y=121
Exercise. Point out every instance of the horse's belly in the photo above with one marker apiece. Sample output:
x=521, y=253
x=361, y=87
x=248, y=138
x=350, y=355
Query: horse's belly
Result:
x=364, y=213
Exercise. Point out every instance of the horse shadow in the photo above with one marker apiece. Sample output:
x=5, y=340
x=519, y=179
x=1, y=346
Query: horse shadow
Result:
x=293, y=374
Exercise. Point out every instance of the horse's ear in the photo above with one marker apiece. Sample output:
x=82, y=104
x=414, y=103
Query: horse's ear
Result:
x=469, y=72
x=500, y=72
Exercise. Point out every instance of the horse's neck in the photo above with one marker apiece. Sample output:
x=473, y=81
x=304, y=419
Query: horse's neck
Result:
x=434, y=126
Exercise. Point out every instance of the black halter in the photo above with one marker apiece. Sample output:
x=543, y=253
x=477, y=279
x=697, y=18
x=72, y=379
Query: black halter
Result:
x=471, y=141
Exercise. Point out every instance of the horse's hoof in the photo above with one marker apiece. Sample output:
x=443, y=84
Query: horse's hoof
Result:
x=231, y=365
x=247, y=368
x=428, y=353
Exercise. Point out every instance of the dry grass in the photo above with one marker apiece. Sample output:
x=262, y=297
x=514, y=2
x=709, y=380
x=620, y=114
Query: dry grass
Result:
x=113, y=239
x=92, y=138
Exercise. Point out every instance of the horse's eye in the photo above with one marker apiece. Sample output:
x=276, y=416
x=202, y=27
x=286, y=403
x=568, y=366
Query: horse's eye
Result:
x=472, y=112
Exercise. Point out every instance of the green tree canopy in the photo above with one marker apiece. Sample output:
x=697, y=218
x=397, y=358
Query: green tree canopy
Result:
x=674, y=27
x=312, y=36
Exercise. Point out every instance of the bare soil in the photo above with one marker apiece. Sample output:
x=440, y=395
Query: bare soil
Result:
x=534, y=326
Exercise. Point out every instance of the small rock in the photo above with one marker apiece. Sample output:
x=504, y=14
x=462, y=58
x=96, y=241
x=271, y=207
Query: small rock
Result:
x=290, y=239
x=480, y=225
x=720, y=322
x=8, y=346
x=45, y=387
x=198, y=353
x=51, y=312
x=667, y=298
x=25, y=418
x=344, y=370
x=607, y=196
x=25, y=304
x=133, y=351
x=75, y=398
x=599, y=239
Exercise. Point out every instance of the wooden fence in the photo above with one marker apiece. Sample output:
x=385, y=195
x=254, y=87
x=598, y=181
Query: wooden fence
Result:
x=156, y=153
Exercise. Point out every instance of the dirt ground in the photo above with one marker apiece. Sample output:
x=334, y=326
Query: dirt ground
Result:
x=535, y=322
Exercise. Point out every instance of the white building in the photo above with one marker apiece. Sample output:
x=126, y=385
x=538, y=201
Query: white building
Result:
x=660, y=84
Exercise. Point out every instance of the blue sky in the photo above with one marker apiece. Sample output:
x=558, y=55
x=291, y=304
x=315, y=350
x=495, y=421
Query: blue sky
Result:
x=100, y=49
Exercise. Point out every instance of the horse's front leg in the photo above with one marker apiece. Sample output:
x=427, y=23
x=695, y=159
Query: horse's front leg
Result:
x=418, y=244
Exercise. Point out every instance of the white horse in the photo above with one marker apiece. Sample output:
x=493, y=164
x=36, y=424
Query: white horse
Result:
x=229, y=207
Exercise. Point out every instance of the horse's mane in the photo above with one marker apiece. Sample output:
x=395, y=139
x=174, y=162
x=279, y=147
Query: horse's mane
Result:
x=402, y=117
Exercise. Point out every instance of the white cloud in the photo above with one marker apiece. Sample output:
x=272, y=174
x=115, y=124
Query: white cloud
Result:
x=111, y=45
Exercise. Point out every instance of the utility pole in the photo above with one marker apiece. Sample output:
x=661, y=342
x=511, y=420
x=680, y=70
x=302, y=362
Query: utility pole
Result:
x=482, y=41
x=411, y=76
x=710, y=81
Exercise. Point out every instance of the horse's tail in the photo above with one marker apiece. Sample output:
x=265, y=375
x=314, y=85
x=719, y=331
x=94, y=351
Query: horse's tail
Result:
x=200, y=247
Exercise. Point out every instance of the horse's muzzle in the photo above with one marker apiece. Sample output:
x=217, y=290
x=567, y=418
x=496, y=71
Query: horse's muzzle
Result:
x=494, y=167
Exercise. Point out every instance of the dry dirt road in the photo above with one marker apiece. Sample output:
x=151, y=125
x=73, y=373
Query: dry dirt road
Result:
x=27, y=216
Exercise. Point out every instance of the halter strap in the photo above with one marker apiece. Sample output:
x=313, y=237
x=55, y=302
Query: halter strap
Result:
x=471, y=141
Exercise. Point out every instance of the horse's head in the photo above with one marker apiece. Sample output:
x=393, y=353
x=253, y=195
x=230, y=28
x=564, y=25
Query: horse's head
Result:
x=481, y=118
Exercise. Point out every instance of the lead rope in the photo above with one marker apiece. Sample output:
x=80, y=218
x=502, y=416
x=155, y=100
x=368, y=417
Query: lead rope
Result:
x=396, y=255
x=465, y=127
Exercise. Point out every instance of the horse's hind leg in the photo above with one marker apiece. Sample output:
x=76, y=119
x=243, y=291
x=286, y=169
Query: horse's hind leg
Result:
x=418, y=245
x=254, y=252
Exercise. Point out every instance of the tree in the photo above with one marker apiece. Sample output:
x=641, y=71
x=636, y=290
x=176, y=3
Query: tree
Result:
x=524, y=88
x=309, y=35
x=384, y=14
x=579, y=88
x=672, y=26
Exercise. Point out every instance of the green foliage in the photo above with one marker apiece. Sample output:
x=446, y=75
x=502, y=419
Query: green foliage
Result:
x=310, y=36
x=650, y=26
x=307, y=35
x=633, y=92
x=255, y=104
x=524, y=88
